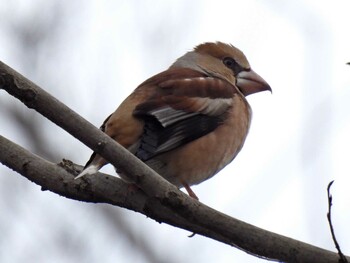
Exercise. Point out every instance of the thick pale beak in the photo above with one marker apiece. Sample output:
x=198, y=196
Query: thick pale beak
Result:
x=250, y=82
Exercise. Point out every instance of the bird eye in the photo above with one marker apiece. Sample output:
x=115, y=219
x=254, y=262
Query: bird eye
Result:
x=230, y=62
x=233, y=65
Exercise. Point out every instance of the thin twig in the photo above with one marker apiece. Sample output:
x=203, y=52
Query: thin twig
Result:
x=342, y=258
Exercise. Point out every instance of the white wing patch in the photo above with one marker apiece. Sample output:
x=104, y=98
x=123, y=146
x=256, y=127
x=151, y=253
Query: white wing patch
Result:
x=213, y=107
x=167, y=115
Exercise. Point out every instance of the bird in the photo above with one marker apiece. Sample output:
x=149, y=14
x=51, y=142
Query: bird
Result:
x=189, y=121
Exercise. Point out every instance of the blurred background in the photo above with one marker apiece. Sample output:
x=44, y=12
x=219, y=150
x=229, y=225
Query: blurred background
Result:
x=91, y=54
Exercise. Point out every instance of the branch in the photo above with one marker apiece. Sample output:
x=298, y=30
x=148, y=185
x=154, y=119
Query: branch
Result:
x=342, y=258
x=158, y=199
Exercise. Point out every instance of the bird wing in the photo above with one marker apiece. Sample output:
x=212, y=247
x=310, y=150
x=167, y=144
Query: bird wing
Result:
x=182, y=108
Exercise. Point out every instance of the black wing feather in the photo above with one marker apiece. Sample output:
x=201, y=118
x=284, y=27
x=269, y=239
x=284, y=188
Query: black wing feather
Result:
x=158, y=138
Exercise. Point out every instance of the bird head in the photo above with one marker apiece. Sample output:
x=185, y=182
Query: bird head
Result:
x=224, y=61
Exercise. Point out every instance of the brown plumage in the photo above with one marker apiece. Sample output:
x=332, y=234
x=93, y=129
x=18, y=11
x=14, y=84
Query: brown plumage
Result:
x=189, y=121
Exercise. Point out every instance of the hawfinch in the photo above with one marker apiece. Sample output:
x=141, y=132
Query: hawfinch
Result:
x=190, y=121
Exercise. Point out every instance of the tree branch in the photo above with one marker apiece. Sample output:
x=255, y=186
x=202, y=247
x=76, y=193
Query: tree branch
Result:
x=342, y=258
x=158, y=199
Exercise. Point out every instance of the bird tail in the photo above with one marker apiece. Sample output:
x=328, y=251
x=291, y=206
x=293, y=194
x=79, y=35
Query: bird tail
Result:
x=92, y=166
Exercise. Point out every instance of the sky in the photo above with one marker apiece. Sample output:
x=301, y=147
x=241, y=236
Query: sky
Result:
x=94, y=53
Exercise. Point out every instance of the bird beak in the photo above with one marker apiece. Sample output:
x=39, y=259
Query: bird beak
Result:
x=250, y=82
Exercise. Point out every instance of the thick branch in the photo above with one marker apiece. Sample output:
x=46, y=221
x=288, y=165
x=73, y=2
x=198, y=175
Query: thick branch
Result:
x=160, y=200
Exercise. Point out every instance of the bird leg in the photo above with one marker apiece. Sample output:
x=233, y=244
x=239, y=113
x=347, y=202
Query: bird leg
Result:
x=189, y=191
